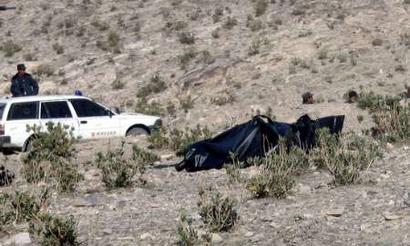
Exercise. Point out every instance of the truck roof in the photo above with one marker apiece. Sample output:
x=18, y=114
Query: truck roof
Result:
x=40, y=98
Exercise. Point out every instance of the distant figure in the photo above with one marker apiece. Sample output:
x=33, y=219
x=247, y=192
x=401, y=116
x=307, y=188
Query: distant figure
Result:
x=307, y=98
x=407, y=93
x=78, y=93
x=352, y=97
x=22, y=84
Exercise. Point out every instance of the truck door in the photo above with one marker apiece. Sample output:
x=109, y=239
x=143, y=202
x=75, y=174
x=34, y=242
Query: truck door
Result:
x=95, y=121
x=58, y=112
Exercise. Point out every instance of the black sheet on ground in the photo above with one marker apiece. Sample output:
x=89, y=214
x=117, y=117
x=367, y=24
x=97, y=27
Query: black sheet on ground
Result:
x=254, y=139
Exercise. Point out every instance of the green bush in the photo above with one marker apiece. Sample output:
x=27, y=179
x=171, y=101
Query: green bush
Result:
x=392, y=124
x=112, y=43
x=51, y=230
x=392, y=118
x=10, y=48
x=58, y=48
x=187, y=235
x=186, y=103
x=344, y=156
x=19, y=207
x=44, y=70
x=374, y=102
x=186, y=37
x=118, y=170
x=186, y=58
x=217, y=212
x=260, y=7
x=155, y=85
x=117, y=85
x=152, y=108
x=50, y=157
x=233, y=170
x=276, y=177
x=254, y=47
x=178, y=140
x=230, y=23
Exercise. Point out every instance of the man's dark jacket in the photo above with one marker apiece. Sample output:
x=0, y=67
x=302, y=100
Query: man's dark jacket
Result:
x=23, y=85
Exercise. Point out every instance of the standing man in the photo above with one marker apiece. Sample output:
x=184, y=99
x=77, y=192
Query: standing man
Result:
x=22, y=84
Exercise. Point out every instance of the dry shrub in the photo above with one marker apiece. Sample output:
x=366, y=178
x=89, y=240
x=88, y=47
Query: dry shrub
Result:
x=50, y=157
x=216, y=211
x=278, y=169
x=344, y=156
x=118, y=169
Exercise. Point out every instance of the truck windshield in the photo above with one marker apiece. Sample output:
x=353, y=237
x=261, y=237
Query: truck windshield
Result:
x=2, y=106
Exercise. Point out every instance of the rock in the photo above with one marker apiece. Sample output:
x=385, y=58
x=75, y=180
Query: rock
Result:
x=304, y=189
x=389, y=146
x=22, y=239
x=308, y=216
x=167, y=157
x=146, y=236
x=107, y=231
x=216, y=238
x=335, y=212
x=249, y=234
x=389, y=216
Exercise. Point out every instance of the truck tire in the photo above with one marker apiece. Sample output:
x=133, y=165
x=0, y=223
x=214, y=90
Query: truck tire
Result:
x=137, y=131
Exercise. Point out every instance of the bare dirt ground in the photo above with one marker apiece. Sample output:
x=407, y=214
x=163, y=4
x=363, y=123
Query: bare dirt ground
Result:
x=326, y=47
x=374, y=212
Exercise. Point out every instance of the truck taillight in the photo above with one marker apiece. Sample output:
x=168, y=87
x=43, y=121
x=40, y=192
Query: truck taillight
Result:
x=2, y=132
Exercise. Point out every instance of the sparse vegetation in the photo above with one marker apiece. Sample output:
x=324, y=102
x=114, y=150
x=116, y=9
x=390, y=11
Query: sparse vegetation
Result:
x=186, y=58
x=18, y=207
x=112, y=43
x=392, y=118
x=230, y=23
x=260, y=7
x=186, y=37
x=44, y=70
x=278, y=169
x=10, y=48
x=117, y=84
x=254, y=48
x=186, y=103
x=58, y=48
x=100, y=25
x=155, y=85
x=218, y=13
x=377, y=42
x=178, y=140
x=150, y=108
x=51, y=230
x=223, y=99
x=187, y=235
x=216, y=211
x=118, y=170
x=50, y=157
x=344, y=156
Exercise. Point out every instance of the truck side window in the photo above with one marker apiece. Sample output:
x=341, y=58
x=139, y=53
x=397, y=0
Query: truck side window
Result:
x=23, y=111
x=55, y=110
x=87, y=108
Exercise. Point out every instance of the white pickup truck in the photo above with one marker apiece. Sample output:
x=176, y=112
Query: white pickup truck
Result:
x=88, y=119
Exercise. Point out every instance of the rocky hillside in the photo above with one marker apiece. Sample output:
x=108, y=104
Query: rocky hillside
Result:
x=209, y=62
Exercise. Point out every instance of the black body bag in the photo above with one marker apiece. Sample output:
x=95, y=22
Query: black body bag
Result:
x=254, y=139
